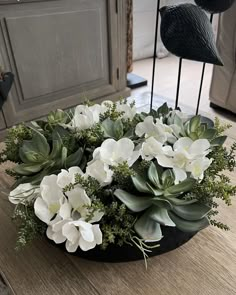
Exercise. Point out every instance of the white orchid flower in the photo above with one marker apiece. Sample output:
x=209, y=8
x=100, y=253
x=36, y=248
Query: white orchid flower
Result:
x=114, y=152
x=151, y=148
x=51, y=199
x=23, y=193
x=128, y=111
x=54, y=230
x=81, y=234
x=198, y=167
x=85, y=117
x=65, y=177
x=156, y=129
x=100, y=171
x=192, y=149
x=69, y=225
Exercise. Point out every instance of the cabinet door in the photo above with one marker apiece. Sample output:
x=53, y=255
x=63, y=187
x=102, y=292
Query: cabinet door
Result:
x=61, y=52
x=2, y=121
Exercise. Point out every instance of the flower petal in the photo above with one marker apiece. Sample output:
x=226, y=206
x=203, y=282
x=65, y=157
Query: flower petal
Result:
x=41, y=210
x=65, y=210
x=70, y=231
x=78, y=198
x=85, y=245
x=199, y=147
x=164, y=161
x=180, y=175
x=97, y=234
x=183, y=143
x=72, y=247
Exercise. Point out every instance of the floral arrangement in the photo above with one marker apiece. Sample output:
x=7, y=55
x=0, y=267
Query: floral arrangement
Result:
x=106, y=174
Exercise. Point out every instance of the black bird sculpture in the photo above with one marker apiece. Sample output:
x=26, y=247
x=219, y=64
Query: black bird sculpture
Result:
x=187, y=32
x=215, y=6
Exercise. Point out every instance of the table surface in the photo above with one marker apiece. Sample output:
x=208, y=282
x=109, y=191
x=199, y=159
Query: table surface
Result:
x=206, y=265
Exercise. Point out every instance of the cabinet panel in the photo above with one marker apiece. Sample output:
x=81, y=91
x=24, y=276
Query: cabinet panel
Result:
x=2, y=121
x=61, y=53
x=58, y=51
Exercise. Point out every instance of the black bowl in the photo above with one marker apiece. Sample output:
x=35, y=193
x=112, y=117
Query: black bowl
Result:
x=173, y=238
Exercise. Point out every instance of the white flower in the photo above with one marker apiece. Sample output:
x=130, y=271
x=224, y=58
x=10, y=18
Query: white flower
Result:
x=23, y=193
x=66, y=177
x=81, y=234
x=158, y=130
x=70, y=224
x=192, y=149
x=151, y=148
x=128, y=111
x=49, y=203
x=187, y=156
x=198, y=167
x=85, y=117
x=100, y=171
x=114, y=152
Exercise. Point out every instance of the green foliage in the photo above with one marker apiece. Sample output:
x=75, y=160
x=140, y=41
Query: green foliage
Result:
x=30, y=227
x=40, y=159
x=90, y=184
x=116, y=225
x=215, y=184
x=111, y=113
x=160, y=201
x=14, y=139
x=91, y=137
x=122, y=174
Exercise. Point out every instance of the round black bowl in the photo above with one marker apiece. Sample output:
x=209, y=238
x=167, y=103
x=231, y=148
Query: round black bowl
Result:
x=173, y=238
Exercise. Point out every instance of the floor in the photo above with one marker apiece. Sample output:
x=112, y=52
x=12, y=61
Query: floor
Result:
x=166, y=82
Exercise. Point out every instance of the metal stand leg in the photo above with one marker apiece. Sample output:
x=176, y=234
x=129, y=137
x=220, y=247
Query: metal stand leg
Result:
x=178, y=83
x=154, y=54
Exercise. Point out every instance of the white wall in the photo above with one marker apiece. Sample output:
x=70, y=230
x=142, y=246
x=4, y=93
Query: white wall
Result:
x=144, y=27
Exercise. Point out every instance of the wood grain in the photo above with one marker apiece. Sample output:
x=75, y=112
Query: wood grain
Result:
x=204, y=266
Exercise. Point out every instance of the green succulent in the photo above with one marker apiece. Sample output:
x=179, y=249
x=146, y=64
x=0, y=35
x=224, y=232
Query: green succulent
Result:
x=40, y=158
x=161, y=202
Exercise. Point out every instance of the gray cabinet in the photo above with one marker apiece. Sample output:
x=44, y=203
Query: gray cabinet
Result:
x=61, y=52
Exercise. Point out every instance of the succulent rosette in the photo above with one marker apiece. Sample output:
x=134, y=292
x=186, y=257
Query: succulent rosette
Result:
x=107, y=174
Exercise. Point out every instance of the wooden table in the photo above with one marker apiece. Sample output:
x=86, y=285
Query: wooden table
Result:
x=204, y=266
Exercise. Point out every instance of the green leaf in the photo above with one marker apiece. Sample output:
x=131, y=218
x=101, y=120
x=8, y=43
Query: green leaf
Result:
x=34, y=150
x=130, y=133
x=112, y=129
x=209, y=134
x=148, y=229
x=180, y=202
x=28, y=169
x=153, y=175
x=194, y=123
x=118, y=129
x=156, y=192
x=183, y=187
x=189, y=226
x=63, y=156
x=134, y=203
x=40, y=143
x=75, y=158
x=160, y=215
x=192, y=212
x=167, y=178
x=140, y=184
x=162, y=203
x=163, y=110
x=56, y=149
x=219, y=141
